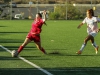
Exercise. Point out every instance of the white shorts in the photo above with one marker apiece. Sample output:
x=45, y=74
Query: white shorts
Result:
x=93, y=34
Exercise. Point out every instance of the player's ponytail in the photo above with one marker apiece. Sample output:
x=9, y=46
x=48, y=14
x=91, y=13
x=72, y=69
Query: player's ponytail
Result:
x=39, y=14
x=92, y=12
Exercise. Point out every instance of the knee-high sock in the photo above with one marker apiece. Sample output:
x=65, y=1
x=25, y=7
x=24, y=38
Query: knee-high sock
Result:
x=20, y=49
x=82, y=47
x=94, y=45
x=43, y=50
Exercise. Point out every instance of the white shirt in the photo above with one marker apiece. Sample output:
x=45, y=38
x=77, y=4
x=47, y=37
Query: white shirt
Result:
x=91, y=24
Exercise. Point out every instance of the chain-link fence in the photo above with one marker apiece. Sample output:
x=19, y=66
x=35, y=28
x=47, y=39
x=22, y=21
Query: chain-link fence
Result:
x=28, y=11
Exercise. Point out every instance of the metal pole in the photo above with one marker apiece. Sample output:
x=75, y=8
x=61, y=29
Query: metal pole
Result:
x=37, y=6
x=11, y=10
x=66, y=9
x=91, y=3
x=30, y=13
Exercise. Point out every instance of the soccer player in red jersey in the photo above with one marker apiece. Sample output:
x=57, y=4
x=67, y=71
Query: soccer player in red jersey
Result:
x=33, y=35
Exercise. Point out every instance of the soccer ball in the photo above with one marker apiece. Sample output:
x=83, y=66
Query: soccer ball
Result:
x=14, y=53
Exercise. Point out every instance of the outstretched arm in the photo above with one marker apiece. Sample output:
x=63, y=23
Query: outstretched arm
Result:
x=44, y=15
x=79, y=26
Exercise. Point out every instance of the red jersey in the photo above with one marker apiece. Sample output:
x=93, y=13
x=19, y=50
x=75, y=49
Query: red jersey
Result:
x=36, y=26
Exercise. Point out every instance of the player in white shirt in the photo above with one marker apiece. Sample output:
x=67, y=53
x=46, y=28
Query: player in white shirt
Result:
x=92, y=30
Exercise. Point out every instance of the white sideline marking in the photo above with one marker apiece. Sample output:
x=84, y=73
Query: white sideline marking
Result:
x=25, y=60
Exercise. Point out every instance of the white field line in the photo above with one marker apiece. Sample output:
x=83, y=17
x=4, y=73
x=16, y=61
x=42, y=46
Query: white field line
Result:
x=25, y=60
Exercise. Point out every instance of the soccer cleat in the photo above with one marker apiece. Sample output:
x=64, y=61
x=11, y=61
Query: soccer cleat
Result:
x=96, y=49
x=14, y=53
x=79, y=52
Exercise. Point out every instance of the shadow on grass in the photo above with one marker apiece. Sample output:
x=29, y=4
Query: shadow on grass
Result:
x=76, y=71
x=3, y=26
x=27, y=57
x=7, y=33
x=54, y=71
x=21, y=71
x=8, y=58
x=16, y=47
x=11, y=41
x=35, y=58
x=13, y=32
x=63, y=54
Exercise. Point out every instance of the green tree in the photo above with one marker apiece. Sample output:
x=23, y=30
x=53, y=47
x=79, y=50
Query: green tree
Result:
x=60, y=12
x=7, y=1
x=1, y=10
x=54, y=15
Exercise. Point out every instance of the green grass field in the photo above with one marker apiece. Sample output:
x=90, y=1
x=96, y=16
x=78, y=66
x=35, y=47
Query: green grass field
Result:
x=59, y=36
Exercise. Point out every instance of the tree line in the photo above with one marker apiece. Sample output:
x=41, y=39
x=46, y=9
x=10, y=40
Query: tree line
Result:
x=52, y=1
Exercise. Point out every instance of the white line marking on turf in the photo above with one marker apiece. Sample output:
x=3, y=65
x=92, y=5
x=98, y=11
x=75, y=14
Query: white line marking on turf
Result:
x=32, y=64
x=25, y=60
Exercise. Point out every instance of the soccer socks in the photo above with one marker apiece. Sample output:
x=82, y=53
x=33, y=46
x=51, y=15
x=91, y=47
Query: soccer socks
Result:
x=20, y=49
x=82, y=47
x=94, y=45
x=43, y=51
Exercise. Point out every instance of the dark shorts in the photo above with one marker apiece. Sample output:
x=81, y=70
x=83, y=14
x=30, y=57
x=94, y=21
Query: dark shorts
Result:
x=35, y=38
